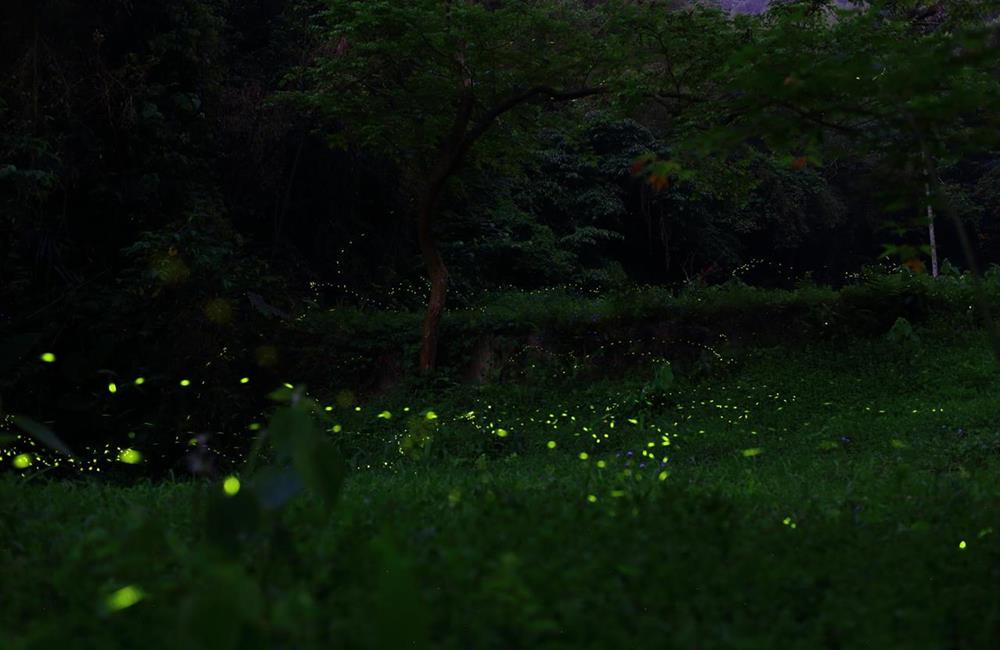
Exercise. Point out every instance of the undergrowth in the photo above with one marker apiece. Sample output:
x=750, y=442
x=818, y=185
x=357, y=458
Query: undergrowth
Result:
x=823, y=496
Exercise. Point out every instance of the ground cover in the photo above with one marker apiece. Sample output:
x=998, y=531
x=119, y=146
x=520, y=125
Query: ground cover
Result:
x=829, y=496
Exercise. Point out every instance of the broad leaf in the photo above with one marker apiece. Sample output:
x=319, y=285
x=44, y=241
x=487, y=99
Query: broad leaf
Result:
x=42, y=434
x=321, y=467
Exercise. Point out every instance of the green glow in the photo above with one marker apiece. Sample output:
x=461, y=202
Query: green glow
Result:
x=584, y=455
x=663, y=475
x=431, y=415
x=244, y=380
x=22, y=461
x=185, y=382
x=592, y=498
x=502, y=433
x=139, y=381
x=130, y=456
x=385, y=415
x=124, y=597
x=287, y=385
x=961, y=545
x=753, y=451
x=112, y=388
x=551, y=444
x=602, y=464
x=337, y=428
x=327, y=408
x=48, y=357
x=231, y=485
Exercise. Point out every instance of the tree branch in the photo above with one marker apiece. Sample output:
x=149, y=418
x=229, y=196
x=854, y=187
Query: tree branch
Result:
x=818, y=119
x=523, y=97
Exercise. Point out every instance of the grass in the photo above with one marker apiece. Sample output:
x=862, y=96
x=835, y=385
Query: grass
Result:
x=829, y=496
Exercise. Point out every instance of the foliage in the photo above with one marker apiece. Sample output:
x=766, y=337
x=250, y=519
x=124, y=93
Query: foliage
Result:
x=781, y=478
x=392, y=103
x=812, y=81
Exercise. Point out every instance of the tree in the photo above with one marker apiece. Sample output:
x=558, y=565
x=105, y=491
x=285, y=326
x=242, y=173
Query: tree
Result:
x=876, y=80
x=431, y=83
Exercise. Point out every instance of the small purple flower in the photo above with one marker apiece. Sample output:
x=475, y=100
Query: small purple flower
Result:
x=642, y=465
x=629, y=453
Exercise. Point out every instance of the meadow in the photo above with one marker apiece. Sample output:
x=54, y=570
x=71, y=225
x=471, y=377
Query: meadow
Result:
x=830, y=494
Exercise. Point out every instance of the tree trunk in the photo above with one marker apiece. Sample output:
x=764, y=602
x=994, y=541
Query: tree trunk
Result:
x=437, y=273
x=453, y=152
x=932, y=234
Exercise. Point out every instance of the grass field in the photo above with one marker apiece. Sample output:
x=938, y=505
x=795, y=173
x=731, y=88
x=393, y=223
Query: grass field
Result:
x=827, y=496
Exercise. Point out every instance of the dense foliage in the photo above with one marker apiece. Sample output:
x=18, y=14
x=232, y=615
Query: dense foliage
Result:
x=789, y=477
x=122, y=121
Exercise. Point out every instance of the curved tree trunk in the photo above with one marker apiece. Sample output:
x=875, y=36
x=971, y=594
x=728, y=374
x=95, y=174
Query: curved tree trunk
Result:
x=437, y=273
x=453, y=152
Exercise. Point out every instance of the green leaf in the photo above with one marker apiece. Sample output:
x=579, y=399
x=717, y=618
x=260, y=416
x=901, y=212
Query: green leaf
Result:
x=275, y=486
x=42, y=434
x=231, y=520
x=282, y=395
x=321, y=467
x=288, y=426
x=224, y=603
x=400, y=615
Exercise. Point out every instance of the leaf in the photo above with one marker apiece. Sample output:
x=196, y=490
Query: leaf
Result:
x=276, y=486
x=639, y=164
x=321, y=467
x=42, y=434
x=226, y=600
x=400, y=615
x=288, y=425
x=282, y=395
x=658, y=183
x=258, y=303
x=231, y=520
